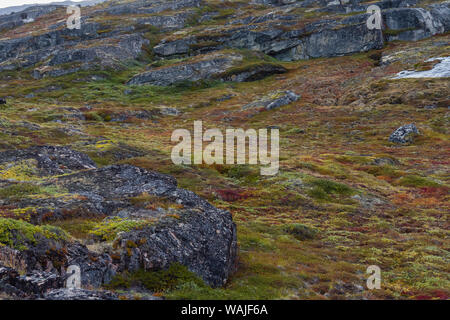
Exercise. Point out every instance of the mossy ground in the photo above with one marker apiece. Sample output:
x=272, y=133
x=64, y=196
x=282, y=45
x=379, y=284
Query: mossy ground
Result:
x=302, y=231
x=20, y=235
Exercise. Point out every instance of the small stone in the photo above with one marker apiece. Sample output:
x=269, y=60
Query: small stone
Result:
x=404, y=134
x=170, y=111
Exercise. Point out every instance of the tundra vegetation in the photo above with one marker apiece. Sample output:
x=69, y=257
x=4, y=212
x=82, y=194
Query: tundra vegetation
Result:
x=345, y=196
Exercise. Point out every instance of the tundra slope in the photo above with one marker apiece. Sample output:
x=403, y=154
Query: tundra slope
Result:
x=346, y=197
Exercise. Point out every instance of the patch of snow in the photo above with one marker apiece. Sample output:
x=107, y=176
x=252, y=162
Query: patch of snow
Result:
x=440, y=70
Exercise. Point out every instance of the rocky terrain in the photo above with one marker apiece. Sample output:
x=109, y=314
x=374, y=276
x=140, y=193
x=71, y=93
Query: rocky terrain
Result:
x=86, y=178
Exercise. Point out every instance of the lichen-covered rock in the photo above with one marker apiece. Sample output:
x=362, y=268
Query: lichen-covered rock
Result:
x=200, y=236
x=33, y=284
x=29, y=252
x=404, y=134
x=110, y=54
x=191, y=232
x=32, y=49
x=186, y=239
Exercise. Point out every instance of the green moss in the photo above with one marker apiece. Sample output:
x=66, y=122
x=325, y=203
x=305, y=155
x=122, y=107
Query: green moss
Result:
x=78, y=228
x=386, y=170
x=256, y=286
x=440, y=124
x=24, y=170
x=157, y=281
x=295, y=131
x=19, y=190
x=108, y=229
x=322, y=189
x=416, y=181
x=253, y=241
x=93, y=116
x=246, y=172
x=19, y=234
x=300, y=231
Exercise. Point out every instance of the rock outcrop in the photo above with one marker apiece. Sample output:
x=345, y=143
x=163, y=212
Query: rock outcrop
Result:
x=281, y=33
x=202, y=69
x=185, y=241
x=412, y=24
x=193, y=233
x=28, y=15
x=278, y=34
x=216, y=66
x=319, y=39
x=31, y=285
x=46, y=253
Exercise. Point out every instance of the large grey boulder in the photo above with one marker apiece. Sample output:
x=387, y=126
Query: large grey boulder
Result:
x=404, y=134
x=192, y=232
x=203, y=239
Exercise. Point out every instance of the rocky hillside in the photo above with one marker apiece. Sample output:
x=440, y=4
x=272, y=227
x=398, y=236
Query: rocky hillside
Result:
x=86, y=178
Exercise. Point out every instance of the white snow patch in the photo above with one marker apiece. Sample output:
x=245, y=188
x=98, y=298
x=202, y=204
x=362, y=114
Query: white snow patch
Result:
x=440, y=70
